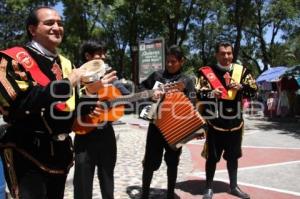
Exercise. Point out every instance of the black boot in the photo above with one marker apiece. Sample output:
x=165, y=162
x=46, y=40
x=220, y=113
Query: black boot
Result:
x=236, y=191
x=232, y=167
x=208, y=194
x=172, y=176
x=147, y=177
x=210, y=168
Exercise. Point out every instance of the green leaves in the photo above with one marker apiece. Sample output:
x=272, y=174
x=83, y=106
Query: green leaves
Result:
x=262, y=31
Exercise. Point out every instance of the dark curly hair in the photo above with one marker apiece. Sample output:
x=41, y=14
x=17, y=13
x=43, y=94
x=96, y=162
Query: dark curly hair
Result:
x=91, y=46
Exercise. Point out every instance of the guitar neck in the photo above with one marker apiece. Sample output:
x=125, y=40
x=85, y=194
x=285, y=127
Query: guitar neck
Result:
x=131, y=98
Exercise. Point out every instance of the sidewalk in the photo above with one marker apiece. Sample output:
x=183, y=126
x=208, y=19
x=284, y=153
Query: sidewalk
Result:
x=128, y=171
x=270, y=167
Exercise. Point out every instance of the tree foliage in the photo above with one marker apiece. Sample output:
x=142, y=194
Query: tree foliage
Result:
x=264, y=33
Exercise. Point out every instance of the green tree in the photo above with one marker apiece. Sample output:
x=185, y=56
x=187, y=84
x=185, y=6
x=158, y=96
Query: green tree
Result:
x=207, y=27
x=273, y=16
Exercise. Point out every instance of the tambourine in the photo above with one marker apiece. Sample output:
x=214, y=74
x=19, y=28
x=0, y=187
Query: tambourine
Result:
x=95, y=69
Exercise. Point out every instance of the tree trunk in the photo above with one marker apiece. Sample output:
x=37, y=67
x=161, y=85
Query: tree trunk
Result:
x=239, y=25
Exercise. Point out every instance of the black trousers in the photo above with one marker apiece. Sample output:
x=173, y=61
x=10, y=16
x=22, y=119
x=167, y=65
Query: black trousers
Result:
x=37, y=185
x=155, y=146
x=227, y=143
x=97, y=148
x=33, y=183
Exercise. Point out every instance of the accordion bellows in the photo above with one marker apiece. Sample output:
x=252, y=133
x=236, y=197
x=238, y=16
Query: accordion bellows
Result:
x=178, y=120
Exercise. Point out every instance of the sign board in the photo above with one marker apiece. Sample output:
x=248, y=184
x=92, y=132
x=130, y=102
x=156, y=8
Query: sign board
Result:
x=151, y=57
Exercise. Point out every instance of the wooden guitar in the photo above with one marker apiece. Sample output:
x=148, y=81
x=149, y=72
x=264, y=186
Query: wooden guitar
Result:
x=113, y=106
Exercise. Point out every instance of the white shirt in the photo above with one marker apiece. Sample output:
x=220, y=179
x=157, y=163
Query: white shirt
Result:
x=225, y=67
x=43, y=50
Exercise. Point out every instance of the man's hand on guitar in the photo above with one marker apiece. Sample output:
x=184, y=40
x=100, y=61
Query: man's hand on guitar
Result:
x=97, y=111
x=157, y=95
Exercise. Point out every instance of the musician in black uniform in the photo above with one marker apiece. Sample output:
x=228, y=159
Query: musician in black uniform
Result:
x=98, y=147
x=38, y=100
x=224, y=114
x=156, y=144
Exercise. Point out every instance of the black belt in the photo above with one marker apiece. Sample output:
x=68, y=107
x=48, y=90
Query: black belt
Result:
x=60, y=137
x=57, y=137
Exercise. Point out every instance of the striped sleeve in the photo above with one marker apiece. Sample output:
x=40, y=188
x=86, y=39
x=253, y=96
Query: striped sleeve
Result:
x=249, y=84
x=13, y=80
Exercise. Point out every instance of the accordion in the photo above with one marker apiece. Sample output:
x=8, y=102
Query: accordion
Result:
x=178, y=119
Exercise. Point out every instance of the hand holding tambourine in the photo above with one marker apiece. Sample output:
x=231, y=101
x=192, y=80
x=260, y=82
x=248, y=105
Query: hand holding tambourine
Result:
x=95, y=75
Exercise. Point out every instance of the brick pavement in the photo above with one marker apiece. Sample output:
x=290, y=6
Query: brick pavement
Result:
x=269, y=153
x=269, y=169
x=128, y=171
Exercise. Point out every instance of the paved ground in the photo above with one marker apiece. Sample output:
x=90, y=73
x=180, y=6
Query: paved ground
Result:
x=128, y=171
x=270, y=167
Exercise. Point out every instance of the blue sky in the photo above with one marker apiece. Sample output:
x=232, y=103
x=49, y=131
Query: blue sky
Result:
x=59, y=8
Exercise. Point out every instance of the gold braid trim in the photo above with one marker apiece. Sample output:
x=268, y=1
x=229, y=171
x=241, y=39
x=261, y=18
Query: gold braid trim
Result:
x=4, y=81
x=35, y=161
x=8, y=159
x=226, y=130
